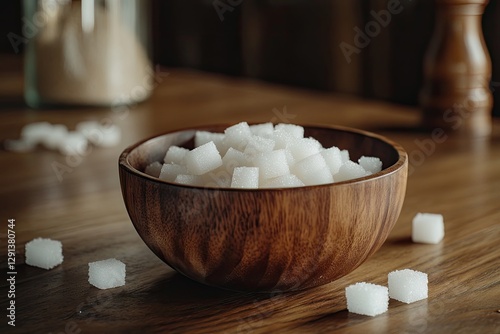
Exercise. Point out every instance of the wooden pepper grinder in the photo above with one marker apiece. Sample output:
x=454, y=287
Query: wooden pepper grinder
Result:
x=457, y=70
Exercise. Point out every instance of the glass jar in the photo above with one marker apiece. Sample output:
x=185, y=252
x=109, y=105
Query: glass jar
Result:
x=87, y=52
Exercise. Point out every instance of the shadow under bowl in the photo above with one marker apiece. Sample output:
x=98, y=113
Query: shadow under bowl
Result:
x=266, y=239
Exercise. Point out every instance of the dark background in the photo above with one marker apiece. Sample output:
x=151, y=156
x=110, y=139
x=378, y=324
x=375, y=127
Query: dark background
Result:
x=296, y=42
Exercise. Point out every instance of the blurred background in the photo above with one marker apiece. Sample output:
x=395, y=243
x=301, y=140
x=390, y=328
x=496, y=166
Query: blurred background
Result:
x=304, y=43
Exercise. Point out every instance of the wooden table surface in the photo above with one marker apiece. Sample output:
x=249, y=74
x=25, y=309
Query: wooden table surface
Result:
x=83, y=208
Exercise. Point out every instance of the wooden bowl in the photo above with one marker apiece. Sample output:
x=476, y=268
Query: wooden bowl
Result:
x=266, y=239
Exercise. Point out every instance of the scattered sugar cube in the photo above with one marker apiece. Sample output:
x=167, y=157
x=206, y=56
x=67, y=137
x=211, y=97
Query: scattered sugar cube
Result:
x=169, y=172
x=191, y=180
x=43, y=253
x=271, y=164
x=153, y=169
x=284, y=181
x=304, y=147
x=348, y=171
x=35, y=133
x=367, y=299
x=312, y=170
x=427, y=228
x=75, y=143
x=203, y=159
x=296, y=131
x=175, y=155
x=107, y=274
x=245, y=177
x=264, y=130
x=333, y=159
x=407, y=285
x=54, y=139
x=99, y=134
x=237, y=136
x=370, y=164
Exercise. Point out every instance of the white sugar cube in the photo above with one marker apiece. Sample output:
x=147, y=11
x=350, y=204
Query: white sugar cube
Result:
x=263, y=130
x=35, y=133
x=105, y=135
x=345, y=156
x=153, y=169
x=367, y=299
x=284, y=181
x=348, y=171
x=296, y=131
x=245, y=177
x=43, y=253
x=282, y=138
x=237, y=136
x=203, y=159
x=74, y=143
x=169, y=172
x=107, y=274
x=304, y=147
x=258, y=144
x=427, y=228
x=271, y=164
x=56, y=136
x=191, y=180
x=333, y=159
x=233, y=158
x=313, y=170
x=370, y=164
x=407, y=285
x=175, y=154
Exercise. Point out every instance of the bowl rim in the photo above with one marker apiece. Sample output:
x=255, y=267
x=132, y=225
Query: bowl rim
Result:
x=400, y=163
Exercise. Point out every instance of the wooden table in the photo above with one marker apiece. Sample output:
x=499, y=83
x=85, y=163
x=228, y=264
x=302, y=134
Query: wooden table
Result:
x=83, y=208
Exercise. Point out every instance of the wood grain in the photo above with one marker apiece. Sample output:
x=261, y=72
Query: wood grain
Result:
x=456, y=177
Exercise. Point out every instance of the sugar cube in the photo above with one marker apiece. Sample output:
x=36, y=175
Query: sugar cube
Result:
x=271, y=164
x=345, y=156
x=263, y=130
x=153, y=169
x=191, y=180
x=333, y=159
x=304, y=147
x=370, y=164
x=233, y=158
x=258, y=144
x=203, y=137
x=427, y=228
x=237, y=136
x=56, y=136
x=203, y=159
x=282, y=138
x=74, y=143
x=348, y=171
x=407, y=285
x=43, y=253
x=35, y=133
x=175, y=154
x=218, y=178
x=107, y=274
x=313, y=170
x=245, y=177
x=296, y=131
x=367, y=299
x=169, y=172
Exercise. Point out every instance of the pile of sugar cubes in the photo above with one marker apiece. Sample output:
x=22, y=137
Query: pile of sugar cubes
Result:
x=57, y=137
x=47, y=254
x=405, y=285
x=259, y=156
